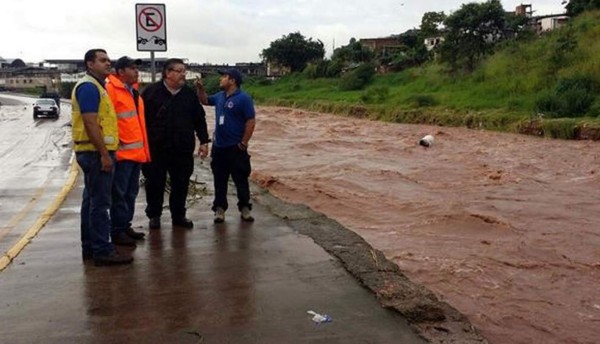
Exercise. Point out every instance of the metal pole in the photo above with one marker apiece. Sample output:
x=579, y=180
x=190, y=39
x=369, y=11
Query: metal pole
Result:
x=152, y=67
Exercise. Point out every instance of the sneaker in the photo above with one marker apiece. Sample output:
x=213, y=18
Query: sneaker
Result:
x=112, y=259
x=134, y=235
x=246, y=215
x=219, y=215
x=122, y=239
x=154, y=223
x=183, y=222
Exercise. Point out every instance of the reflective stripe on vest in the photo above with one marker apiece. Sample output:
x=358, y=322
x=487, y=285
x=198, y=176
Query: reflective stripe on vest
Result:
x=133, y=140
x=126, y=114
x=134, y=145
x=109, y=140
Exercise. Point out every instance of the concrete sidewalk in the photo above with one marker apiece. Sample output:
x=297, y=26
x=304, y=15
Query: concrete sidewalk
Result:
x=228, y=283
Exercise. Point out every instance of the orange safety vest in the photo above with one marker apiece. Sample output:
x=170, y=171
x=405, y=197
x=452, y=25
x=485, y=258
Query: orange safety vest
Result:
x=133, y=140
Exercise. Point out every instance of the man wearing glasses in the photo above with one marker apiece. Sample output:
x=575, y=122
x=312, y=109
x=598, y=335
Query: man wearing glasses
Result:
x=173, y=115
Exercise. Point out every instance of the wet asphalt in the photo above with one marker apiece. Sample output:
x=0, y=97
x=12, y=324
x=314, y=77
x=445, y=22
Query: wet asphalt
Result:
x=229, y=283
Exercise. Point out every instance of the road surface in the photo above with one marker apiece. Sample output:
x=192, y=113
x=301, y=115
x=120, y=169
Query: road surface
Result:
x=34, y=155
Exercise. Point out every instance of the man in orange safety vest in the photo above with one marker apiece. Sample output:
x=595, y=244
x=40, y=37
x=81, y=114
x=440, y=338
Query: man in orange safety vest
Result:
x=133, y=149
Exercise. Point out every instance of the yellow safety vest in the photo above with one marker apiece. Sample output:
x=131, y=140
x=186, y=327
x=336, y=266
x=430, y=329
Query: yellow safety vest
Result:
x=107, y=119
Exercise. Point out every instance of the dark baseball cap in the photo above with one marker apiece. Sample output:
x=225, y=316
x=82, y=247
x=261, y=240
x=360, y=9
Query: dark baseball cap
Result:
x=233, y=73
x=125, y=61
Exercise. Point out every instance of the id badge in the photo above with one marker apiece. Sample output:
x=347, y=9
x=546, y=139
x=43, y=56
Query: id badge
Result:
x=221, y=120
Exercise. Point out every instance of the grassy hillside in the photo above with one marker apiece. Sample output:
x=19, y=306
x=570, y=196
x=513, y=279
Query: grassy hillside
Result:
x=503, y=93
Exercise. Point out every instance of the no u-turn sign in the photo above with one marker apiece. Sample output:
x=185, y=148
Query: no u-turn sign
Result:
x=151, y=27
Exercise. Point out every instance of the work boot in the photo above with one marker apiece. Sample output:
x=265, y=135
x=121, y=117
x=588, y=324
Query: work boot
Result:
x=112, y=259
x=123, y=239
x=135, y=235
x=154, y=223
x=219, y=215
x=246, y=215
x=183, y=222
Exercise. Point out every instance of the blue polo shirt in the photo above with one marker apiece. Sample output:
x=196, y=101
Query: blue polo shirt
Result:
x=231, y=114
x=88, y=97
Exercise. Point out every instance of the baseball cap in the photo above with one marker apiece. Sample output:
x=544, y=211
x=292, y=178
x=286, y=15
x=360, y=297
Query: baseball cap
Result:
x=126, y=61
x=233, y=73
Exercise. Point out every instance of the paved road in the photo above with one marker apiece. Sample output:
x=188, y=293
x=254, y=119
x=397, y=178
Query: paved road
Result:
x=34, y=158
x=230, y=283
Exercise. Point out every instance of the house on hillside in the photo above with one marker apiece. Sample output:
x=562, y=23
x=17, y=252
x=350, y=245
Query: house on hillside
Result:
x=524, y=10
x=275, y=70
x=432, y=42
x=542, y=23
x=550, y=22
x=382, y=46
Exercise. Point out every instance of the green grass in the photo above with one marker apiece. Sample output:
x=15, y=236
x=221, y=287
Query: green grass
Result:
x=499, y=95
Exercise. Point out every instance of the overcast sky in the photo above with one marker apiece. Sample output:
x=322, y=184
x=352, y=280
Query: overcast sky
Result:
x=219, y=31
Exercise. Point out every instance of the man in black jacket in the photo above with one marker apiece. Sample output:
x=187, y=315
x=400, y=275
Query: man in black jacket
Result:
x=173, y=114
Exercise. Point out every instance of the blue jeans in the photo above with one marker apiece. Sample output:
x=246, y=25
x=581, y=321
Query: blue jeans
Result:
x=95, y=204
x=126, y=186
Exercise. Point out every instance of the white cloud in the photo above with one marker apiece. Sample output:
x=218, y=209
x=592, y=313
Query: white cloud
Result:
x=216, y=32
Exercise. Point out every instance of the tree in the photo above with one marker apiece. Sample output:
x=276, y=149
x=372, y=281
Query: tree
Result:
x=294, y=51
x=354, y=52
x=430, y=24
x=472, y=32
x=576, y=7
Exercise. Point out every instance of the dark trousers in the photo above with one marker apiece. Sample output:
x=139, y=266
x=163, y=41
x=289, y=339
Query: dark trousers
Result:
x=95, y=204
x=234, y=162
x=126, y=186
x=179, y=167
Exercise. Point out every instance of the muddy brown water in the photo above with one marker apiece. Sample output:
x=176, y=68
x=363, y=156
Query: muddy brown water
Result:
x=504, y=227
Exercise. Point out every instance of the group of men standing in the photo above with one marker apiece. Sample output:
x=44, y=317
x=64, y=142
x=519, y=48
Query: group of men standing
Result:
x=118, y=133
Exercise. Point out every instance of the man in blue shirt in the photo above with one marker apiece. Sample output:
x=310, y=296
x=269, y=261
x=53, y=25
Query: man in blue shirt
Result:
x=234, y=125
x=95, y=136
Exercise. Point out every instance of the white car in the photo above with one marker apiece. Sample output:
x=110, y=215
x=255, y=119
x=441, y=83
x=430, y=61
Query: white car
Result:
x=45, y=107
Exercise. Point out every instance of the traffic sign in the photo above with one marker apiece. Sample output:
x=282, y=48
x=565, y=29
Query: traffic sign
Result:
x=151, y=27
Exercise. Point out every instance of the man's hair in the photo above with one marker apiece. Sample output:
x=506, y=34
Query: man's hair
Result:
x=169, y=65
x=90, y=56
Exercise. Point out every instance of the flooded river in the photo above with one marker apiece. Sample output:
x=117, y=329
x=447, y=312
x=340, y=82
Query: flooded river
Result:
x=506, y=228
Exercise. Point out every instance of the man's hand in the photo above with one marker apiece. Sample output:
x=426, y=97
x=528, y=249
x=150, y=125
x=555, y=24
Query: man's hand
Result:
x=203, y=151
x=107, y=163
x=202, y=96
x=198, y=83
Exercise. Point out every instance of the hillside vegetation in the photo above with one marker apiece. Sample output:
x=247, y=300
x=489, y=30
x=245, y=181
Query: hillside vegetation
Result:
x=544, y=85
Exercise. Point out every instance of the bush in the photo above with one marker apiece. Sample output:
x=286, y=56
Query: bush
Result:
x=377, y=94
x=571, y=97
x=357, y=78
x=264, y=81
x=334, y=68
x=65, y=90
x=311, y=71
x=422, y=100
x=211, y=83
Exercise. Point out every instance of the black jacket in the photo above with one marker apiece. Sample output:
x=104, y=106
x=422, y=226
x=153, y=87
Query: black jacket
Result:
x=171, y=120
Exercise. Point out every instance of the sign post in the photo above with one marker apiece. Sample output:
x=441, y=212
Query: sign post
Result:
x=151, y=30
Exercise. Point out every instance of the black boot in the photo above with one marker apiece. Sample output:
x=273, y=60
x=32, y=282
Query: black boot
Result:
x=135, y=235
